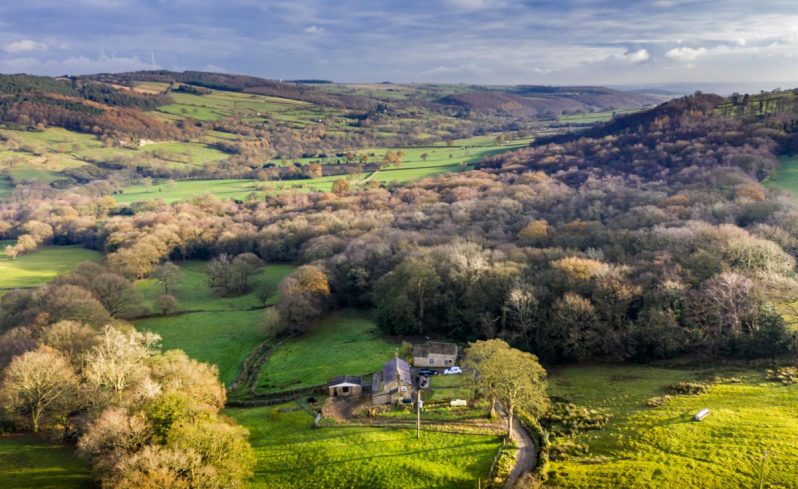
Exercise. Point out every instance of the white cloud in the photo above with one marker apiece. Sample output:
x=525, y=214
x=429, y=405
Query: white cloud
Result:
x=215, y=68
x=474, y=4
x=76, y=65
x=24, y=46
x=635, y=56
x=686, y=54
x=314, y=29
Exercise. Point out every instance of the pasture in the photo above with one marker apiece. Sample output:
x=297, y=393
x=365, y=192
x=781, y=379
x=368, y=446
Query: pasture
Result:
x=345, y=342
x=436, y=160
x=291, y=453
x=30, y=462
x=645, y=447
x=786, y=177
x=218, y=330
x=40, y=266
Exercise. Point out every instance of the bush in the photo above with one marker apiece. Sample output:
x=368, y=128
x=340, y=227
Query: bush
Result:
x=570, y=419
x=785, y=375
x=658, y=401
x=688, y=388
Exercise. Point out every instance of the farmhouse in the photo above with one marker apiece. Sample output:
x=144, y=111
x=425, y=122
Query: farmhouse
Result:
x=434, y=354
x=393, y=384
x=345, y=386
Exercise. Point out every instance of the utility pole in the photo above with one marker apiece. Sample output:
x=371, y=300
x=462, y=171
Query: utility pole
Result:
x=418, y=413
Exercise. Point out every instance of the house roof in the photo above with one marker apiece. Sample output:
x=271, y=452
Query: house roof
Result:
x=394, y=366
x=345, y=379
x=434, y=348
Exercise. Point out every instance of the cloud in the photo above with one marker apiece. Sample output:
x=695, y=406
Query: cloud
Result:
x=473, y=4
x=215, y=68
x=74, y=65
x=314, y=29
x=686, y=54
x=24, y=46
x=635, y=56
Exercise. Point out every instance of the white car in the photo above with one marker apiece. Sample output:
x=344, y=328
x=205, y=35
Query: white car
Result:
x=453, y=371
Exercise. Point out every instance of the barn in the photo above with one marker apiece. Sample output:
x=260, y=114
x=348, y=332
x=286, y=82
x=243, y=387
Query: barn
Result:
x=346, y=386
x=434, y=354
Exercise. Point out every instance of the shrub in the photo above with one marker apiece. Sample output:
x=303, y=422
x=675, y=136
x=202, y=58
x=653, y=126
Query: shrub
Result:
x=688, y=388
x=785, y=375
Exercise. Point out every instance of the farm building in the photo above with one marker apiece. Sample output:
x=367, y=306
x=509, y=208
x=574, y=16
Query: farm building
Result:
x=346, y=386
x=393, y=384
x=434, y=354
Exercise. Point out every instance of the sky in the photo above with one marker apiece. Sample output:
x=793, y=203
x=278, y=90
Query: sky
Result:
x=596, y=42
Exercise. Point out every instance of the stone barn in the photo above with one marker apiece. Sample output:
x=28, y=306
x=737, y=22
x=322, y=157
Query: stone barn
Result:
x=346, y=386
x=435, y=354
x=393, y=384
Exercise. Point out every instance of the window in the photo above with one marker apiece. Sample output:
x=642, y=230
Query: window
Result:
x=403, y=388
x=432, y=361
x=345, y=390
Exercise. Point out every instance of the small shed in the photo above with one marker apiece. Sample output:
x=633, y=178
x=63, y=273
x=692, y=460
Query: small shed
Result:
x=346, y=386
x=434, y=354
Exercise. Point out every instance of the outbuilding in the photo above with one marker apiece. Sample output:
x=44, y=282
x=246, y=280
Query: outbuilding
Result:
x=434, y=354
x=346, y=386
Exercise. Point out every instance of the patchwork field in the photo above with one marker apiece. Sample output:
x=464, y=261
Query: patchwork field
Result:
x=435, y=160
x=345, y=342
x=218, y=330
x=644, y=447
x=40, y=266
x=29, y=462
x=291, y=453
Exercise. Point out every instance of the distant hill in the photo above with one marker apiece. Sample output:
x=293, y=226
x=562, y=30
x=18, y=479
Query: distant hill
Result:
x=80, y=106
x=548, y=101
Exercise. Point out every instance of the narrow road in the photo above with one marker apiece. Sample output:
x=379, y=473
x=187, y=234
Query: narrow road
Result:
x=525, y=458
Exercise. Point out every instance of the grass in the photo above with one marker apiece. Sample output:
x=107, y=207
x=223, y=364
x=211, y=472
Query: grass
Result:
x=291, y=453
x=439, y=160
x=221, y=338
x=786, y=177
x=221, y=330
x=644, y=447
x=42, y=265
x=448, y=387
x=345, y=342
x=29, y=462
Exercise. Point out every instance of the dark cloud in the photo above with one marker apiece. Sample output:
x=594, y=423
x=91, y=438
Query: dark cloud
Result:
x=487, y=41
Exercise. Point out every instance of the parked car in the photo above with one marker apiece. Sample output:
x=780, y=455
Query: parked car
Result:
x=426, y=372
x=453, y=371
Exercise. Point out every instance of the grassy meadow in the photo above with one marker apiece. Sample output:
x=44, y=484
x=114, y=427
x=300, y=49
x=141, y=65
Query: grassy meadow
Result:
x=40, y=266
x=30, y=462
x=438, y=159
x=291, y=453
x=644, y=447
x=786, y=177
x=345, y=342
x=218, y=330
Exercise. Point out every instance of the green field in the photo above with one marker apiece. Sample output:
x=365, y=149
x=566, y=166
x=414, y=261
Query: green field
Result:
x=40, y=266
x=439, y=159
x=29, y=462
x=343, y=343
x=786, y=177
x=291, y=453
x=643, y=447
x=220, y=330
